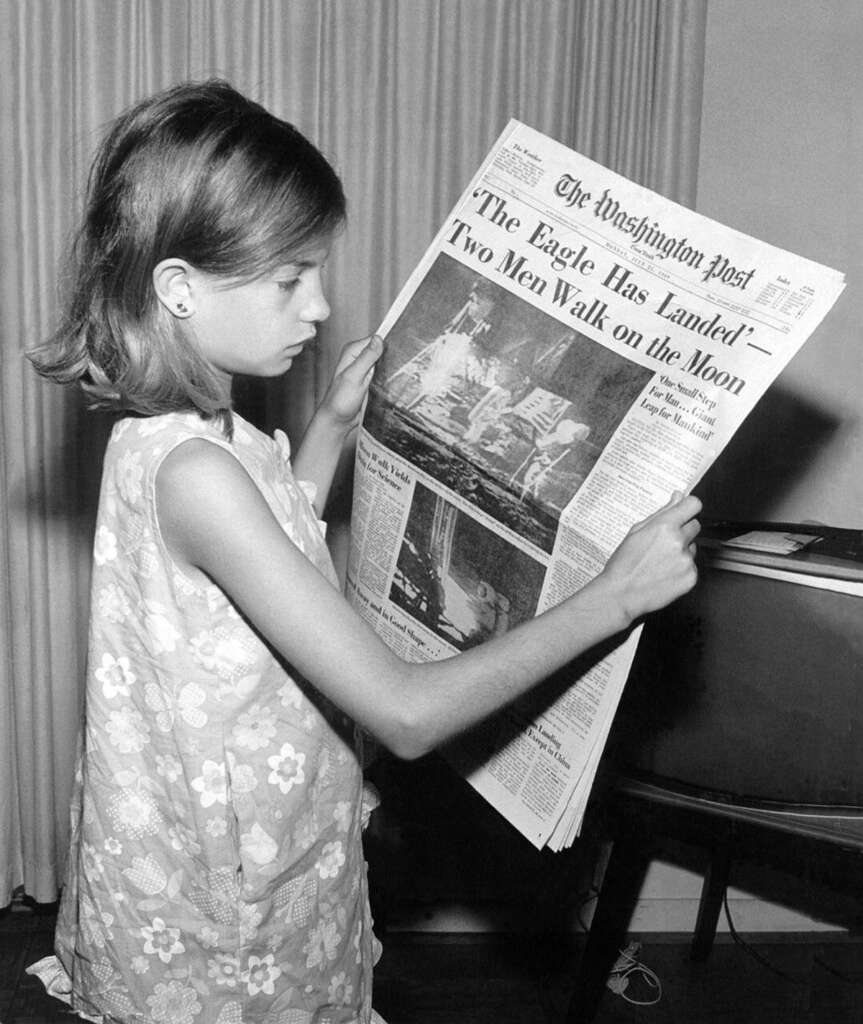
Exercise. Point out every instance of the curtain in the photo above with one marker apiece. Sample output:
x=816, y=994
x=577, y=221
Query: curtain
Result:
x=405, y=98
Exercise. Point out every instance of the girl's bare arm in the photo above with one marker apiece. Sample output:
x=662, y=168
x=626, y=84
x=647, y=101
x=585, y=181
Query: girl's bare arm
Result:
x=215, y=520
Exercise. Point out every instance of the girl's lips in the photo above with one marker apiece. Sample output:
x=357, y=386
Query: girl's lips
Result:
x=298, y=346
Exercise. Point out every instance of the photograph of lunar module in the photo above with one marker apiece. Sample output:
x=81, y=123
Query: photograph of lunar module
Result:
x=497, y=400
x=458, y=577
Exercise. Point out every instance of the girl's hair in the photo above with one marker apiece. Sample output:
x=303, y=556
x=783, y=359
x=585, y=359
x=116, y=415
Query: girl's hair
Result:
x=197, y=172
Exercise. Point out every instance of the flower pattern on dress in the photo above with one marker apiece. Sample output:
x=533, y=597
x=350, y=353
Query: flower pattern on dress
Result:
x=225, y=969
x=340, y=989
x=113, y=604
x=168, y=767
x=184, y=840
x=331, y=861
x=134, y=814
x=208, y=937
x=216, y=854
x=287, y=768
x=211, y=784
x=105, y=548
x=162, y=941
x=342, y=815
x=95, y=923
x=140, y=964
x=115, y=675
x=216, y=827
x=163, y=634
x=130, y=474
x=189, y=701
x=91, y=860
x=258, y=845
x=128, y=730
x=255, y=728
x=146, y=875
x=174, y=1003
x=323, y=944
x=250, y=918
x=221, y=650
x=260, y=975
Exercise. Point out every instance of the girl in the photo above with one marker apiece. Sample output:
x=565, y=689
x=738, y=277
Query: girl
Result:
x=216, y=873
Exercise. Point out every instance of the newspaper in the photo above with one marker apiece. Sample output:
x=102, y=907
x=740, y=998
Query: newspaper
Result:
x=571, y=349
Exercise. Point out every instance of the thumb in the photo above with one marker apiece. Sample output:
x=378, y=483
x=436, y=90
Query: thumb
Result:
x=366, y=354
x=364, y=350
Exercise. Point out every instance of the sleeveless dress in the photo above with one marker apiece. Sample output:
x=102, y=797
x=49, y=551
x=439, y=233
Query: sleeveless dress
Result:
x=216, y=873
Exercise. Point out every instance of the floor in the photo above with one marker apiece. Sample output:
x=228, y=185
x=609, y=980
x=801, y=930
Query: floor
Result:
x=476, y=980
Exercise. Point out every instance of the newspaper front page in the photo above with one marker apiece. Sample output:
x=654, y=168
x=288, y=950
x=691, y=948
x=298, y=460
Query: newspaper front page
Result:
x=571, y=349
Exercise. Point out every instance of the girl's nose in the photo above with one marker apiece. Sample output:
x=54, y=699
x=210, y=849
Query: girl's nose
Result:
x=316, y=309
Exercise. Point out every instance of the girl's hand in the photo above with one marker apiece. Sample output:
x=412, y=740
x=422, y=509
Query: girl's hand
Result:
x=655, y=563
x=317, y=456
x=346, y=394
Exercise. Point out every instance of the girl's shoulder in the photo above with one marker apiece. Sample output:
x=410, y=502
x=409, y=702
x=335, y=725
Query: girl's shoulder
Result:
x=138, y=445
x=147, y=439
x=142, y=432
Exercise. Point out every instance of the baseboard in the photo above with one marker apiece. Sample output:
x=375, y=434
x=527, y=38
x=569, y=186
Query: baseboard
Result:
x=748, y=914
x=654, y=916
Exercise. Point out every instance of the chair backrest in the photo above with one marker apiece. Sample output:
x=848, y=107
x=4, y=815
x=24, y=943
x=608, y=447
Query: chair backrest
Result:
x=752, y=688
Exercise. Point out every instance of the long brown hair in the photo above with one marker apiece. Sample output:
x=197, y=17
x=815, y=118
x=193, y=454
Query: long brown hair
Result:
x=197, y=172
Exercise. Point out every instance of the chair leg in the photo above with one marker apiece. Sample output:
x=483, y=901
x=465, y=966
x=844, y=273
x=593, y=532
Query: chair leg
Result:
x=621, y=885
x=712, y=895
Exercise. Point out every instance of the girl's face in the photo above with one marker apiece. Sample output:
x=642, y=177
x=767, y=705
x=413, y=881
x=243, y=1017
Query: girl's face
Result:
x=257, y=328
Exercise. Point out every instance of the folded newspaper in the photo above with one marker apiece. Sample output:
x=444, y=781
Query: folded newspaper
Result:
x=570, y=350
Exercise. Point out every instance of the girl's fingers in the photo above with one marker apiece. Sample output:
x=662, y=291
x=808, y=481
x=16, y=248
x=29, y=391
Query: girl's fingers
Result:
x=361, y=355
x=690, y=530
x=682, y=510
x=677, y=510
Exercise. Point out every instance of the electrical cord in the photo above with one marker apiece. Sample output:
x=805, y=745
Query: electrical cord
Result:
x=758, y=957
x=851, y=979
x=628, y=966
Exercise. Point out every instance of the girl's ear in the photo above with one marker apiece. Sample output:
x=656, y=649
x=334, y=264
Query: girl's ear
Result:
x=172, y=281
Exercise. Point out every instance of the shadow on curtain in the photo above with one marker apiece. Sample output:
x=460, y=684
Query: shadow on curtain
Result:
x=405, y=99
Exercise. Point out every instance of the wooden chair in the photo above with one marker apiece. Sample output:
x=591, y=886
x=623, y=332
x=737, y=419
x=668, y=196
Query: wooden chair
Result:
x=740, y=732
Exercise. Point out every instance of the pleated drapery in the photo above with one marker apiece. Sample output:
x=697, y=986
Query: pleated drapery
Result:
x=405, y=97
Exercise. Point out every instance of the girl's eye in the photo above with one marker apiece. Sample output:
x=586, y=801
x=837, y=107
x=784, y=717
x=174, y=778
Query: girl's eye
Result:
x=288, y=286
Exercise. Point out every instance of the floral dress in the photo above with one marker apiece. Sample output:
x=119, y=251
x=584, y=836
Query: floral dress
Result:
x=216, y=873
